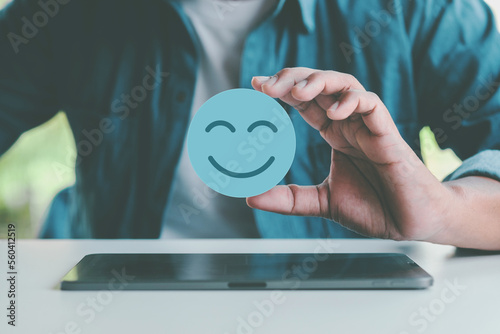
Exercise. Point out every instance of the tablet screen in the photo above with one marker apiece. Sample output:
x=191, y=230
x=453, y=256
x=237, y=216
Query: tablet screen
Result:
x=220, y=271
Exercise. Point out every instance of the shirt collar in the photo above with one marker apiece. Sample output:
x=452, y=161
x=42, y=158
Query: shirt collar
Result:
x=306, y=8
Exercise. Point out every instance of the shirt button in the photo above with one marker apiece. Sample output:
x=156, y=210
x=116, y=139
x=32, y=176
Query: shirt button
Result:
x=181, y=97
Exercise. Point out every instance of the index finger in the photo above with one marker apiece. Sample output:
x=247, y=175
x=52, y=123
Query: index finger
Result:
x=325, y=83
x=280, y=86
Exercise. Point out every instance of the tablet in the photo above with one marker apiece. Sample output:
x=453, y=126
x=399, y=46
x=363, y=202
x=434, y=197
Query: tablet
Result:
x=245, y=271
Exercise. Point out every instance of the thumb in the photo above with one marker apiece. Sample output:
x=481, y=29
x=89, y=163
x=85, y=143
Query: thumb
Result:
x=294, y=200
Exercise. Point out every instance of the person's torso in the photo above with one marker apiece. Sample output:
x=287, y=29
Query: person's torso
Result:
x=126, y=74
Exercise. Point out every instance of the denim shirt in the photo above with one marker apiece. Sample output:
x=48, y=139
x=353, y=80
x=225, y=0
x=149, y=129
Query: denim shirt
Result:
x=124, y=72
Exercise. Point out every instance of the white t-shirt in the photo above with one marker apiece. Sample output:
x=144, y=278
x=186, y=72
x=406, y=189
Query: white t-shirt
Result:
x=193, y=209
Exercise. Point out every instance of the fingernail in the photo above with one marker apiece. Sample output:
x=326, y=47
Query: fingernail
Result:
x=271, y=80
x=334, y=106
x=301, y=84
x=261, y=79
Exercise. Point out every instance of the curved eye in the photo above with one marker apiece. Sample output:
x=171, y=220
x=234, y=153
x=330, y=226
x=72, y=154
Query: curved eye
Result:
x=263, y=123
x=220, y=123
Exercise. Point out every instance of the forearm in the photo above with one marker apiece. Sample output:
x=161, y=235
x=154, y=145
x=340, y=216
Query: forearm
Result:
x=474, y=216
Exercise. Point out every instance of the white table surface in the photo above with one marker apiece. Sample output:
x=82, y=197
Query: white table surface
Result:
x=474, y=307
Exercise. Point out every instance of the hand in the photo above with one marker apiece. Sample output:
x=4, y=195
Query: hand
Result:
x=377, y=185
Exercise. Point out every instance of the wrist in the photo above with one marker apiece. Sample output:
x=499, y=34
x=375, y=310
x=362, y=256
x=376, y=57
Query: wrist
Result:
x=472, y=215
x=450, y=206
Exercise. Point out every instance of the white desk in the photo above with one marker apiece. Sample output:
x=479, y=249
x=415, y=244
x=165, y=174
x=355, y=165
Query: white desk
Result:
x=44, y=309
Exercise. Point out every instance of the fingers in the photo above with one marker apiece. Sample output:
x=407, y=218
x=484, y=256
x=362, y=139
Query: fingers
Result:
x=324, y=83
x=313, y=92
x=309, y=91
x=375, y=115
x=308, y=83
x=280, y=85
x=294, y=200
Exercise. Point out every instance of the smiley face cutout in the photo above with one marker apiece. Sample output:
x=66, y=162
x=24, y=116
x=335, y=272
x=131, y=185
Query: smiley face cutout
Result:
x=241, y=143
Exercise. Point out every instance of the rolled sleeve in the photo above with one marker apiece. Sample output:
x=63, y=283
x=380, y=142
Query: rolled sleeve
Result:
x=486, y=163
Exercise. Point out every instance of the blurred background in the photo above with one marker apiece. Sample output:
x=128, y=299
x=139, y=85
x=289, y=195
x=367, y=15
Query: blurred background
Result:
x=41, y=163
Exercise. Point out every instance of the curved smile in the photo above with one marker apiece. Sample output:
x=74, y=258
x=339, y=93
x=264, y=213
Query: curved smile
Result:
x=241, y=175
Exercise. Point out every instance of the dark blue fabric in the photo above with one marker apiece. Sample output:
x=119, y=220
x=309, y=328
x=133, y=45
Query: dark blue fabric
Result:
x=124, y=73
